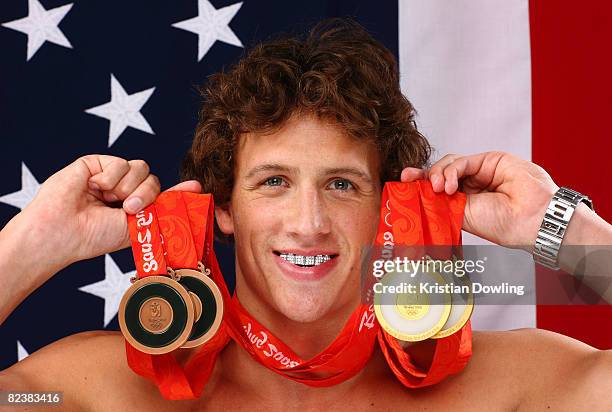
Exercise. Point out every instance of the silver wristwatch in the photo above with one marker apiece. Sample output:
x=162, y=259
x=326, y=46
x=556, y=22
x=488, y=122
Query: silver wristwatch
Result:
x=552, y=229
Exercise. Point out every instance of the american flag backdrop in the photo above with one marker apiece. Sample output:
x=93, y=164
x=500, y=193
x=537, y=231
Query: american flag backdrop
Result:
x=121, y=77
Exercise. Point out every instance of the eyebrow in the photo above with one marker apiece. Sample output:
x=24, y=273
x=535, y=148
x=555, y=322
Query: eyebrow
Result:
x=275, y=167
x=349, y=171
x=269, y=167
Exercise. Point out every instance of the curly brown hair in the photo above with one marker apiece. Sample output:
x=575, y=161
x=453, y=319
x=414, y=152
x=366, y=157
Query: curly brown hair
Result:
x=338, y=71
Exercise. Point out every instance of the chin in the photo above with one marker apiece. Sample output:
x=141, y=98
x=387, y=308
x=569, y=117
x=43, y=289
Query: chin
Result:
x=304, y=306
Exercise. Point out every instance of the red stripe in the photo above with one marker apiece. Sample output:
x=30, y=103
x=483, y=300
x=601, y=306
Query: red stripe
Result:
x=572, y=102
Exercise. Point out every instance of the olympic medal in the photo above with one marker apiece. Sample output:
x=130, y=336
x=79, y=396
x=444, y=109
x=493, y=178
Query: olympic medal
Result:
x=156, y=315
x=462, y=306
x=409, y=312
x=208, y=303
x=197, y=306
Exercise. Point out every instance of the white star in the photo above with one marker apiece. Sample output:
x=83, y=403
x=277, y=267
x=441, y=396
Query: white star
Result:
x=110, y=289
x=123, y=110
x=211, y=25
x=41, y=26
x=29, y=188
x=21, y=352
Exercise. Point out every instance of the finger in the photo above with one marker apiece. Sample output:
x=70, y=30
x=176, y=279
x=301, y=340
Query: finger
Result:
x=94, y=162
x=458, y=169
x=451, y=182
x=143, y=195
x=139, y=171
x=188, y=186
x=111, y=174
x=477, y=172
x=436, y=175
x=411, y=174
x=467, y=165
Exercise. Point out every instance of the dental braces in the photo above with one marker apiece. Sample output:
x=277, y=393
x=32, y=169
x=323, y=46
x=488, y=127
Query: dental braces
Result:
x=305, y=260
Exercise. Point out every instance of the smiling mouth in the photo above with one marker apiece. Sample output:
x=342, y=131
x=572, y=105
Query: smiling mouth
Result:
x=305, y=260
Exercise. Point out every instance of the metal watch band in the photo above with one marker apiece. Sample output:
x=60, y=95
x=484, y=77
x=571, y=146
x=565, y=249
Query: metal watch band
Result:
x=552, y=230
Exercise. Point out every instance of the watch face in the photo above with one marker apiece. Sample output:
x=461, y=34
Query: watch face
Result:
x=156, y=315
x=573, y=197
x=552, y=229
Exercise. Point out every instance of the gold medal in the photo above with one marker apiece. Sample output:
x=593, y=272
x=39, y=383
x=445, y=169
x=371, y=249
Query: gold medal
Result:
x=407, y=310
x=462, y=304
x=461, y=309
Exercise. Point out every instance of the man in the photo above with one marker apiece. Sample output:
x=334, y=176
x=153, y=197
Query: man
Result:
x=295, y=143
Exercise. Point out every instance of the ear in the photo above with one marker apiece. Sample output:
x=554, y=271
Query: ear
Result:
x=225, y=219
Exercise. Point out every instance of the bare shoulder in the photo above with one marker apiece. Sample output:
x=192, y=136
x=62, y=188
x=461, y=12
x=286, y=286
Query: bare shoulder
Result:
x=83, y=353
x=544, y=369
x=527, y=343
x=529, y=349
x=83, y=366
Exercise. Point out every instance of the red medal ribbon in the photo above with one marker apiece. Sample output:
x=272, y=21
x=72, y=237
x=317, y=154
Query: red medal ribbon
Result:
x=418, y=216
x=177, y=230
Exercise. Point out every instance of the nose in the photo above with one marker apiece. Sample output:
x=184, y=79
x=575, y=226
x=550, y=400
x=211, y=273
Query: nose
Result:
x=309, y=218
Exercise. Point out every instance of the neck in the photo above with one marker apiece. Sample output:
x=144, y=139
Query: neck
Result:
x=237, y=369
x=306, y=339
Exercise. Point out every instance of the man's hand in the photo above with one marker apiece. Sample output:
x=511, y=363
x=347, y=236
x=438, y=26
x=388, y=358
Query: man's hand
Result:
x=506, y=196
x=83, y=207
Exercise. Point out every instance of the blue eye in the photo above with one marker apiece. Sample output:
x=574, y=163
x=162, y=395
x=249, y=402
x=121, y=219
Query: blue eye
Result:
x=342, y=184
x=273, y=181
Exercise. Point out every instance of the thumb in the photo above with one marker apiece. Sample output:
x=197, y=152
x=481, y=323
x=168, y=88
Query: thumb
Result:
x=479, y=217
x=187, y=186
x=411, y=174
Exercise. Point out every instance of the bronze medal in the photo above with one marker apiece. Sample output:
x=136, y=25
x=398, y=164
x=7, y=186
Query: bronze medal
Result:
x=156, y=315
x=208, y=305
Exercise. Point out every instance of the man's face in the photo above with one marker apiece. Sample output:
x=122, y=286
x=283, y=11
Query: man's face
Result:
x=305, y=201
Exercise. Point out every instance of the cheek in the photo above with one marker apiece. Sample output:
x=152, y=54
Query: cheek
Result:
x=254, y=220
x=359, y=223
x=366, y=229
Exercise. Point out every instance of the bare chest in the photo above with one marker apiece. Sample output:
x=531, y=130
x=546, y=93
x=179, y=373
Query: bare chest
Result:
x=383, y=395
x=483, y=385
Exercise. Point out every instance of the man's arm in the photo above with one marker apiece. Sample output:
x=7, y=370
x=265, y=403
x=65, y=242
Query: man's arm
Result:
x=507, y=198
x=27, y=261
x=74, y=216
x=46, y=371
x=563, y=374
x=89, y=369
x=587, y=250
x=592, y=388
x=71, y=219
